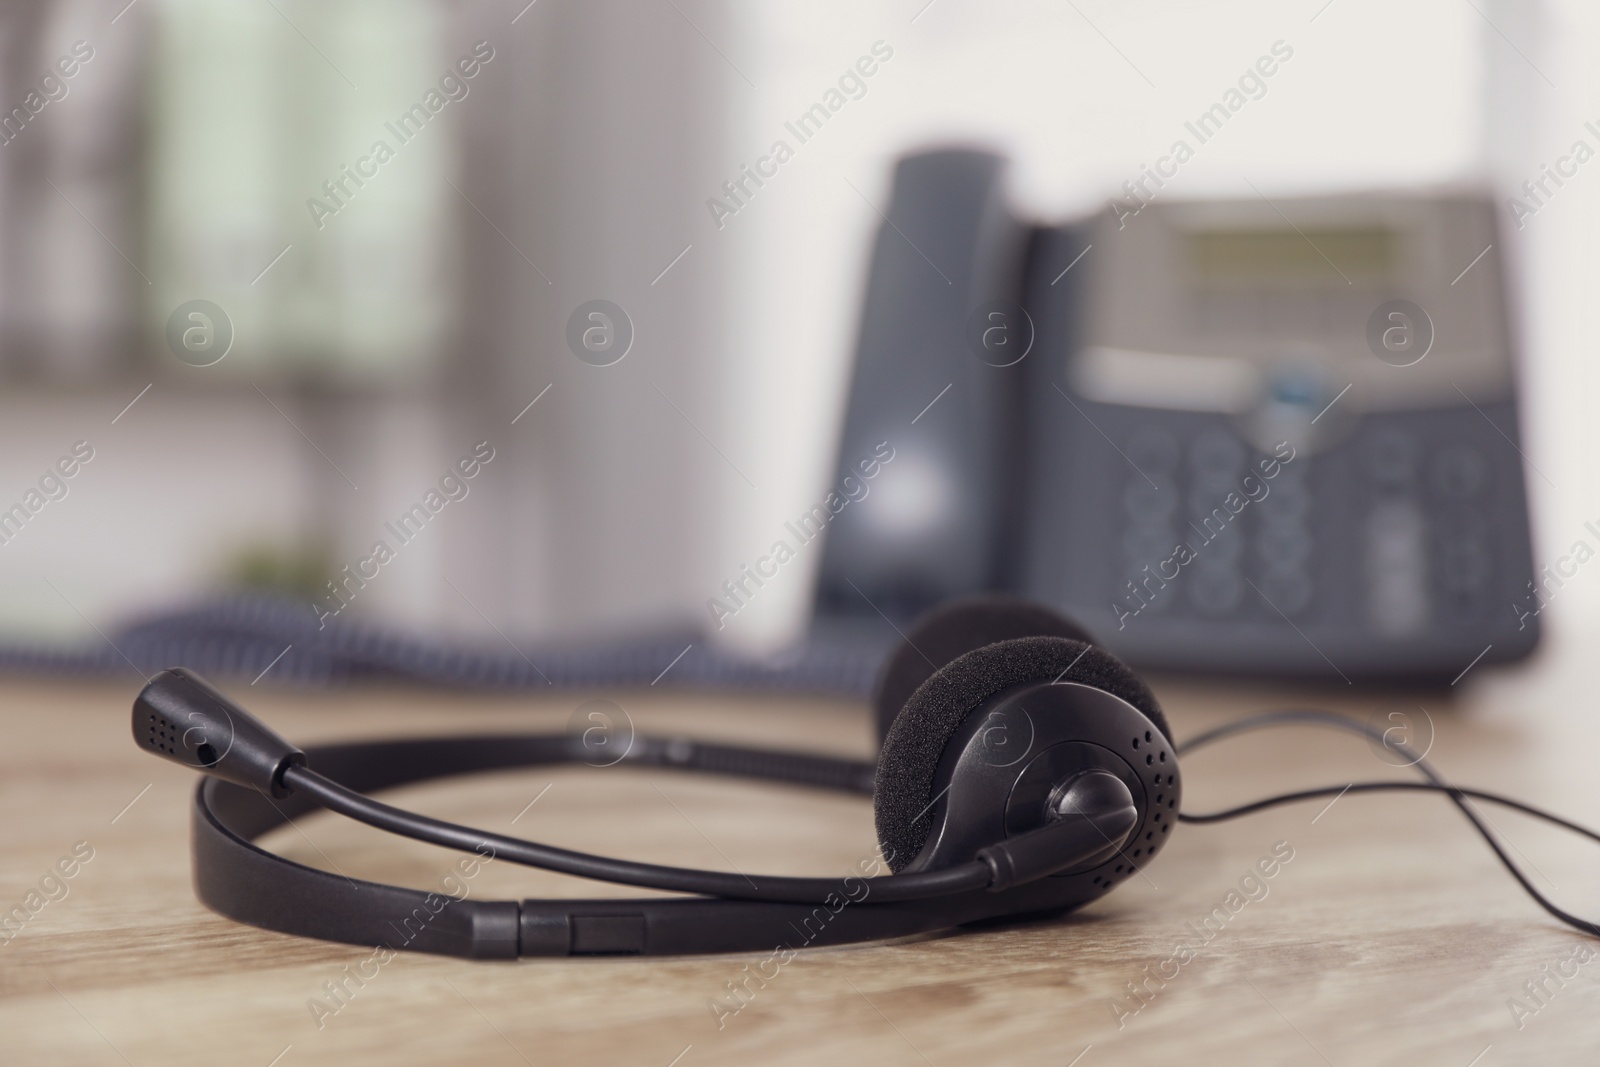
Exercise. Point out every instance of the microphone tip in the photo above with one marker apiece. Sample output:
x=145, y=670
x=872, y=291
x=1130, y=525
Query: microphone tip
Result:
x=181, y=717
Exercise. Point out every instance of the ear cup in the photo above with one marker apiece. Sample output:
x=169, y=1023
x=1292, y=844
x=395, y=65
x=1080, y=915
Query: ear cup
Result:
x=954, y=630
x=909, y=759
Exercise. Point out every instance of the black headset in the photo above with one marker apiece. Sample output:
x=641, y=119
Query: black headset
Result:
x=1024, y=771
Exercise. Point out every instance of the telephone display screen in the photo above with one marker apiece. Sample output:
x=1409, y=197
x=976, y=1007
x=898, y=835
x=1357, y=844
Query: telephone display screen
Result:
x=1228, y=258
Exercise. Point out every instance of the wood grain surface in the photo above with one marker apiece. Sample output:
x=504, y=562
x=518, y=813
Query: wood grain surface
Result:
x=1391, y=936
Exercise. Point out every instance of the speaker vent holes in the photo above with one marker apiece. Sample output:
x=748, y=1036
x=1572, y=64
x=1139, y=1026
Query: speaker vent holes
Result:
x=160, y=739
x=1161, y=789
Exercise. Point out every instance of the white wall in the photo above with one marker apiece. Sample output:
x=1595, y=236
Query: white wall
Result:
x=1544, y=101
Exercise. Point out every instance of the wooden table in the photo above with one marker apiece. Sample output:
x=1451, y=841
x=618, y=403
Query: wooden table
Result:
x=1390, y=937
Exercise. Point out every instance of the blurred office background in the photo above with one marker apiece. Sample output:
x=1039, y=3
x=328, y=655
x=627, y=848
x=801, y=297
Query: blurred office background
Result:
x=375, y=345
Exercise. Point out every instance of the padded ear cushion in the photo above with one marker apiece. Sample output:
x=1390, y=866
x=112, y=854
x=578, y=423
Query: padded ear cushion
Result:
x=954, y=630
x=903, y=793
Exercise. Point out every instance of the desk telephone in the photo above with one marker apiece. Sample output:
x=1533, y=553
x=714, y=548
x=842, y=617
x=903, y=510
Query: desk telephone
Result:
x=1253, y=436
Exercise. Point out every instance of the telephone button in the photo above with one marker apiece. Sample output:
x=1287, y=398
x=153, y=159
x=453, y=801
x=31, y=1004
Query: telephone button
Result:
x=1153, y=451
x=1283, y=543
x=1464, y=562
x=1145, y=503
x=1288, y=590
x=1217, y=456
x=1206, y=499
x=1459, y=472
x=1147, y=544
x=1397, y=568
x=1391, y=459
x=1215, y=590
x=1223, y=548
x=1288, y=499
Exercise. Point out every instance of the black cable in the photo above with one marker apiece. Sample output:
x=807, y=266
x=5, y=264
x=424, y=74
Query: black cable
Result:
x=1387, y=786
x=335, y=797
x=1435, y=783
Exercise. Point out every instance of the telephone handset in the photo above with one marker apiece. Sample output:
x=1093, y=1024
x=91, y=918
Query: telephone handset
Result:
x=1261, y=438
x=936, y=521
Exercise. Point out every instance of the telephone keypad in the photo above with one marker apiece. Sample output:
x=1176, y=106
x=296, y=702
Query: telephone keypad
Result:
x=1424, y=554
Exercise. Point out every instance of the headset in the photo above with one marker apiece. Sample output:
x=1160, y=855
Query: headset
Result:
x=1023, y=772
